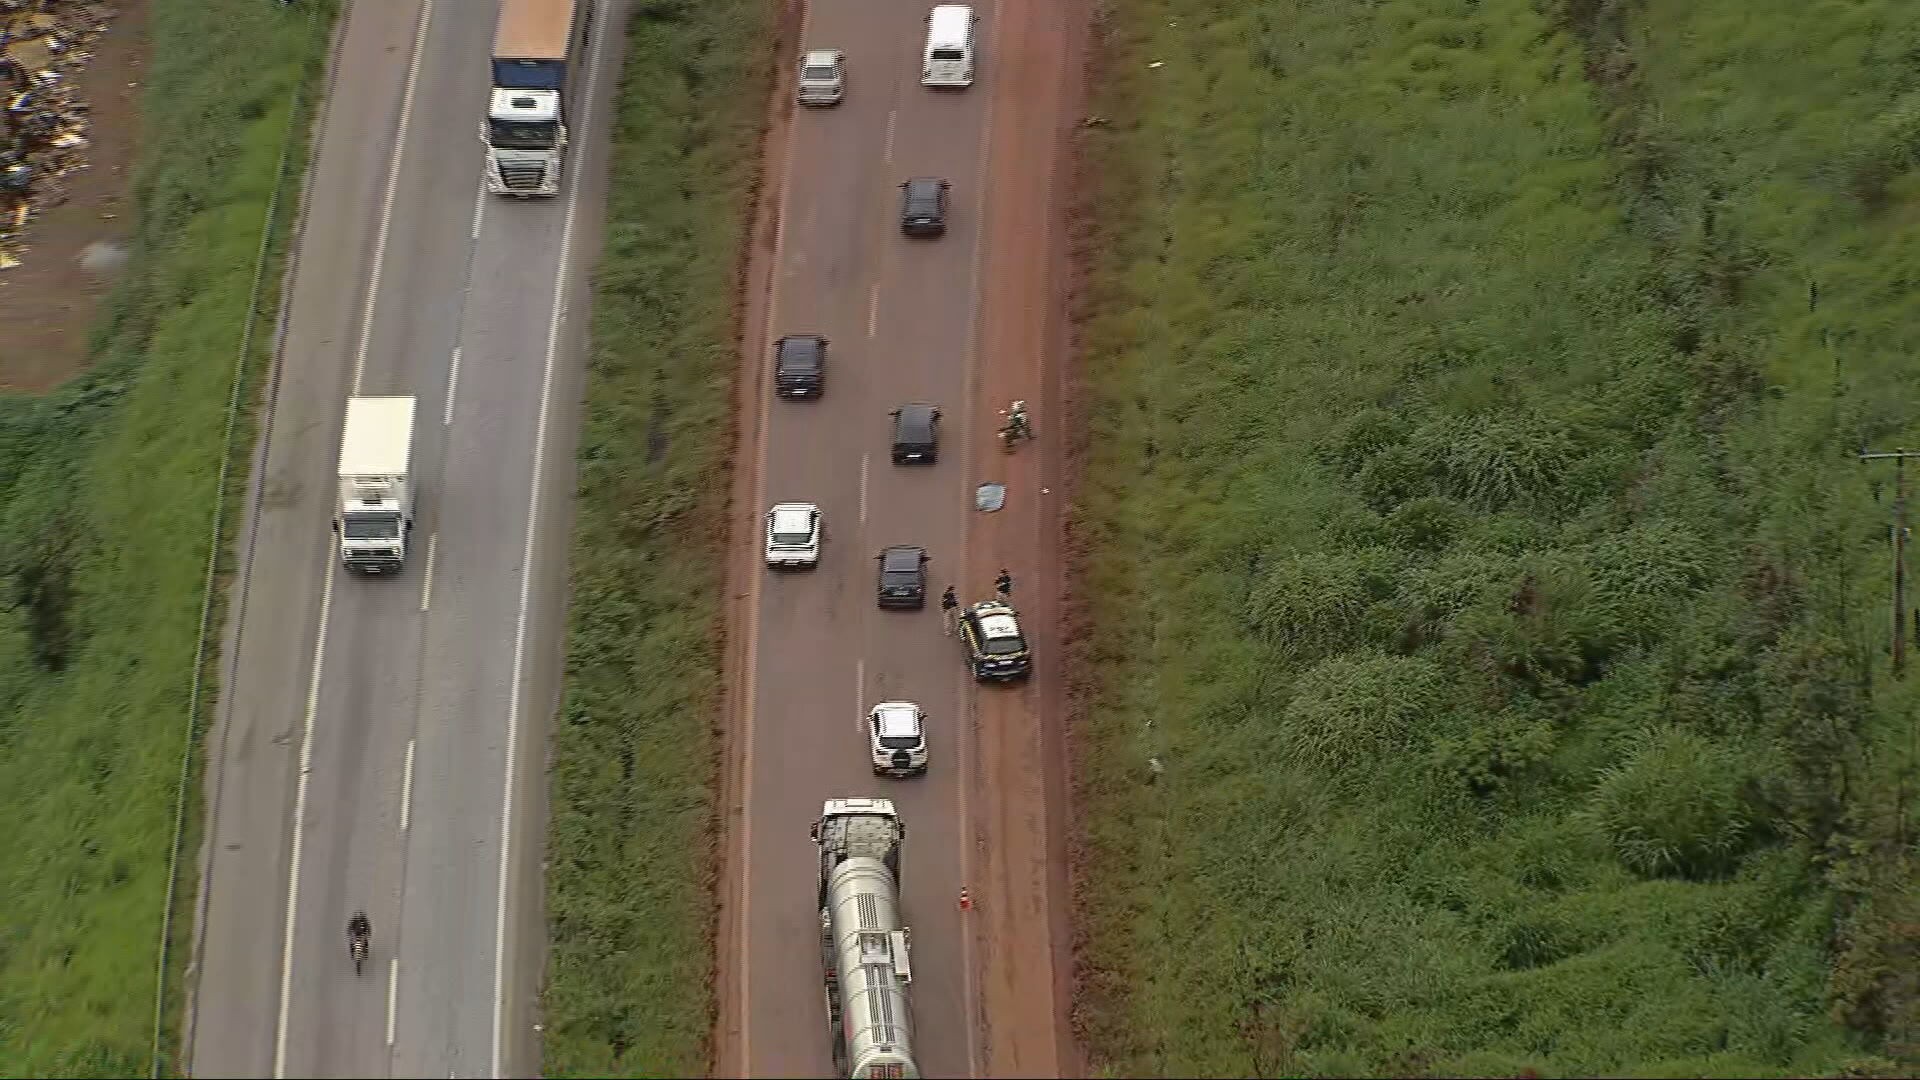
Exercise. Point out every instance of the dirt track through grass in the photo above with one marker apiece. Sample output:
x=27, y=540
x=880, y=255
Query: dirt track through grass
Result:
x=1489, y=620
x=106, y=495
x=632, y=844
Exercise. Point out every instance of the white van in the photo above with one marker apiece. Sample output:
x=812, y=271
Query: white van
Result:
x=949, y=55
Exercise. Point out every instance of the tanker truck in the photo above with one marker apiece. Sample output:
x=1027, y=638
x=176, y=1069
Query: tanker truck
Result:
x=863, y=943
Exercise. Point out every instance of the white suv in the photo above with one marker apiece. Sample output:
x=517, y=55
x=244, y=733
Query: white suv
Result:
x=823, y=77
x=793, y=535
x=897, y=735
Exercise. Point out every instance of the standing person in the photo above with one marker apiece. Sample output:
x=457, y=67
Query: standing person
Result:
x=1004, y=584
x=948, y=602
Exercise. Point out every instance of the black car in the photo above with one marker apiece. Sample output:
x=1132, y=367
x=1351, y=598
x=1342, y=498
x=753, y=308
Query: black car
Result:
x=800, y=365
x=923, y=206
x=903, y=577
x=916, y=434
x=996, y=647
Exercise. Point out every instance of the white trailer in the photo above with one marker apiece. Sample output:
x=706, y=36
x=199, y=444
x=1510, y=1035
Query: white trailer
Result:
x=376, y=484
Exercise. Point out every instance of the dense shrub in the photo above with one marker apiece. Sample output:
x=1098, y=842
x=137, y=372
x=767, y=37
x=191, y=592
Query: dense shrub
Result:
x=1475, y=388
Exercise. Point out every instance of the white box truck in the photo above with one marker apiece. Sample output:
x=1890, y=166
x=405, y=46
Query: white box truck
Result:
x=376, y=484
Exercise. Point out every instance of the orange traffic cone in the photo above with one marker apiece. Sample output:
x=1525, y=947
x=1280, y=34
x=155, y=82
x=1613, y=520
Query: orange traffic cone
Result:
x=966, y=901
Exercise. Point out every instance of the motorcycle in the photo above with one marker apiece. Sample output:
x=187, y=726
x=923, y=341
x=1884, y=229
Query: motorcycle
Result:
x=1016, y=427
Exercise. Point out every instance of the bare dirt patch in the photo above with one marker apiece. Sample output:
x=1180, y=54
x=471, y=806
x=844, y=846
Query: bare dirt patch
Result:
x=72, y=251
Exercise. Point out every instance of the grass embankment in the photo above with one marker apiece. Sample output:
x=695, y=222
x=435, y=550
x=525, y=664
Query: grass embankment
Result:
x=106, y=492
x=631, y=847
x=1479, y=545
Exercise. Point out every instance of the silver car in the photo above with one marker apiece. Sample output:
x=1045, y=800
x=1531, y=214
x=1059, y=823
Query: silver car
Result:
x=823, y=77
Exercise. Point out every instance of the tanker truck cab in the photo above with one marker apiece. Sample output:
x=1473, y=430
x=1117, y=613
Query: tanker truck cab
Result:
x=376, y=484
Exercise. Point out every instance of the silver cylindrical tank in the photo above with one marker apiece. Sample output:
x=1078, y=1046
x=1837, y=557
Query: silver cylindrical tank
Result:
x=868, y=946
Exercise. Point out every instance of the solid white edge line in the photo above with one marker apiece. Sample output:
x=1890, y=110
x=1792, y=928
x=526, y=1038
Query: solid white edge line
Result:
x=743, y=926
x=299, y=822
x=393, y=995
x=426, y=578
x=983, y=166
x=406, y=790
x=393, y=186
x=453, y=386
x=526, y=554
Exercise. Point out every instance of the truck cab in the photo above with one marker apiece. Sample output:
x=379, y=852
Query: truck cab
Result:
x=525, y=136
x=373, y=530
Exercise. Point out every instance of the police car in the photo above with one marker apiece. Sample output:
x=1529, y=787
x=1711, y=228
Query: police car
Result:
x=996, y=648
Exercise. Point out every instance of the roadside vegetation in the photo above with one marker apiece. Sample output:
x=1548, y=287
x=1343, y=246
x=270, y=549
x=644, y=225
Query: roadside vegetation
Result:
x=107, y=491
x=1487, y=671
x=631, y=845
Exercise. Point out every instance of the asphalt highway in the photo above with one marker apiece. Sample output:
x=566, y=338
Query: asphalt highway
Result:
x=904, y=317
x=380, y=742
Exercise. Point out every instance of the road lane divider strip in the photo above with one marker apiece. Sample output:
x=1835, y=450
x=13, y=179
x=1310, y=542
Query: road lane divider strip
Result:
x=453, y=385
x=426, y=578
x=300, y=820
x=406, y=790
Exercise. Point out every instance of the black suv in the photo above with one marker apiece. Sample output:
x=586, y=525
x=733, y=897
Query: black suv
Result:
x=800, y=365
x=903, y=577
x=923, y=206
x=916, y=434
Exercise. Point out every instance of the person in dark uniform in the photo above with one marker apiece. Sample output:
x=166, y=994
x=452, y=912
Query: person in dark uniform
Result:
x=1003, y=584
x=948, y=602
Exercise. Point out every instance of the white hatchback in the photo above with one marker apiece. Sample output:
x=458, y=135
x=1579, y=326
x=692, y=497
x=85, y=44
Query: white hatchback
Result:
x=897, y=736
x=793, y=535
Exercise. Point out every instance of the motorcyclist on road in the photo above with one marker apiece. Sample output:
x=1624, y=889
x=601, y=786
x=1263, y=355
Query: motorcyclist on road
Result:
x=359, y=930
x=1003, y=584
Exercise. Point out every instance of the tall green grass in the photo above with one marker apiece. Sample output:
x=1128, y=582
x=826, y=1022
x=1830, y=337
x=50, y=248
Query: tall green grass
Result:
x=631, y=847
x=107, y=488
x=1489, y=613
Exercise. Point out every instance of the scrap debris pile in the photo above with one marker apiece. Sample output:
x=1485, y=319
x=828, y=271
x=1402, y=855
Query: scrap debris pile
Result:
x=43, y=128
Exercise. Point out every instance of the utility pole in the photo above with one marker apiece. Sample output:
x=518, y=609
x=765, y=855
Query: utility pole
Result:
x=1899, y=457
